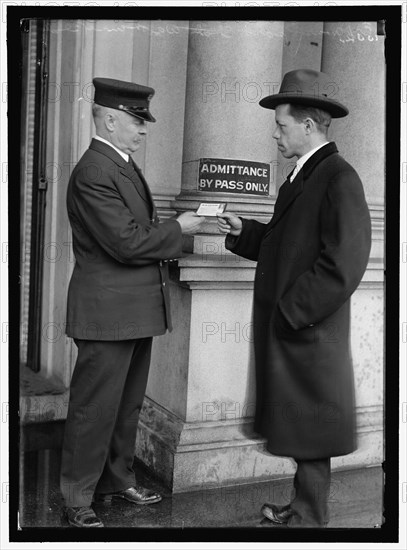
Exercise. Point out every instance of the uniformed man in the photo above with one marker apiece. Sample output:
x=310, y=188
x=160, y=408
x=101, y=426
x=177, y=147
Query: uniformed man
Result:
x=118, y=300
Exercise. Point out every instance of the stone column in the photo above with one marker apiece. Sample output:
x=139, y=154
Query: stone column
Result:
x=167, y=75
x=196, y=424
x=353, y=55
x=231, y=66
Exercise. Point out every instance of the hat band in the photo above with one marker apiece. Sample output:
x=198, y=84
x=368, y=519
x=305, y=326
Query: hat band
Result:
x=136, y=109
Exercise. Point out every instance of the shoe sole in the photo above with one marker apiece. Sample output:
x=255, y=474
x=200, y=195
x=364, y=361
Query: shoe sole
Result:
x=153, y=501
x=85, y=526
x=107, y=499
x=73, y=524
x=267, y=524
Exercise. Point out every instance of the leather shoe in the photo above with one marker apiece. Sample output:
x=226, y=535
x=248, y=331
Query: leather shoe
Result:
x=82, y=516
x=136, y=495
x=267, y=523
x=277, y=514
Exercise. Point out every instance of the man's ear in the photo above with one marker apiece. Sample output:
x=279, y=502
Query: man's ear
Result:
x=109, y=121
x=309, y=125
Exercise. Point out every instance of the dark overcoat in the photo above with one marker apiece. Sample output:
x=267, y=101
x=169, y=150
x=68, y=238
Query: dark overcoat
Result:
x=310, y=258
x=119, y=286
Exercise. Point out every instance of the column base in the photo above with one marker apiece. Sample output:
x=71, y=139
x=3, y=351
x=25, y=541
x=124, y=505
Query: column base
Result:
x=208, y=455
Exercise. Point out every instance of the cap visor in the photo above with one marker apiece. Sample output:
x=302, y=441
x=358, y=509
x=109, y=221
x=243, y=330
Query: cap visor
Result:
x=148, y=117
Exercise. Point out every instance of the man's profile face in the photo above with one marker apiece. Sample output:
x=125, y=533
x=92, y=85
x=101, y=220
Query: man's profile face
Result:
x=289, y=134
x=129, y=132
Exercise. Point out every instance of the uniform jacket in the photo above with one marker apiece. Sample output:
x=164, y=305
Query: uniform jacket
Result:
x=310, y=258
x=119, y=286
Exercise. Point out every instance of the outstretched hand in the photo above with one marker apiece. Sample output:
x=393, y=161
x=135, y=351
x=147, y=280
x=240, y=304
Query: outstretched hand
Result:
x=190, y=223
x=230, y=224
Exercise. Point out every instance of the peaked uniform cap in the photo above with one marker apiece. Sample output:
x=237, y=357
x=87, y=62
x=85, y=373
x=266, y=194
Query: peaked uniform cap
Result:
x=310, y=88
x=125, y=96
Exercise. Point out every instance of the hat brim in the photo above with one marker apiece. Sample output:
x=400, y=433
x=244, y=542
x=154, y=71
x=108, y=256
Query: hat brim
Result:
x=145, y=115
x=148, y=117
x=334, y=108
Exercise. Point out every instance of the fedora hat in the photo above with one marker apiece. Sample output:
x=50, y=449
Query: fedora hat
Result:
x=306, y=87
x=130, y=97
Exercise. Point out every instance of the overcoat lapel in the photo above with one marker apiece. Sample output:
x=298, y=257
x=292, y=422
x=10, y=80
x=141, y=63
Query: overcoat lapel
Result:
x=285, y=198
x=290, y=191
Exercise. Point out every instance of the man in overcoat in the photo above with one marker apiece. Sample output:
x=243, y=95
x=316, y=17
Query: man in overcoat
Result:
x=118, y=300
x=310, y=257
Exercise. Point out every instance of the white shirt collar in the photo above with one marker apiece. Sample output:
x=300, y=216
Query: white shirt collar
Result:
x=302, y=160
x=125, y=156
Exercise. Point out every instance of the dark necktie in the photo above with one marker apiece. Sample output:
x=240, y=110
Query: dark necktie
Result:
x=290, y=174
x=286, y=183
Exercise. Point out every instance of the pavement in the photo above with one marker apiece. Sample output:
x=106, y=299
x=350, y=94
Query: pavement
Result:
x=355, y=499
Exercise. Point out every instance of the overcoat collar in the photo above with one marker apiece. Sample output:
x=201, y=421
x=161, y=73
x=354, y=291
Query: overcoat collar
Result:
x=290, y=191
x=126, y=170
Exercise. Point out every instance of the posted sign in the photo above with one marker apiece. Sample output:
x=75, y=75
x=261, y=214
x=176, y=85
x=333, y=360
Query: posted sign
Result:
x=234, y=176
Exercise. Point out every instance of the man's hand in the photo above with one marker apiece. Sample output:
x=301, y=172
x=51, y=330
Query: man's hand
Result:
x=229, y=223
x=190, y=223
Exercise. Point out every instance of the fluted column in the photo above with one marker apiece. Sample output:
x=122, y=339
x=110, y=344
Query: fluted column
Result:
x=353, y=55
x=231, y=66
x=196, y=428
x=167, y=75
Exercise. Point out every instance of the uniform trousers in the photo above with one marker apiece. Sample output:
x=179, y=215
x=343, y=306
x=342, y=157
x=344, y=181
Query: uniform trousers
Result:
x=106, y=394
x=312, y=485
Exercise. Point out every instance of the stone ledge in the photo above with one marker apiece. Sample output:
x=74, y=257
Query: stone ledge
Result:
x=226, y=432
x=229, y=268
x=35, y=383
x=43, y=408
x=192, y=456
